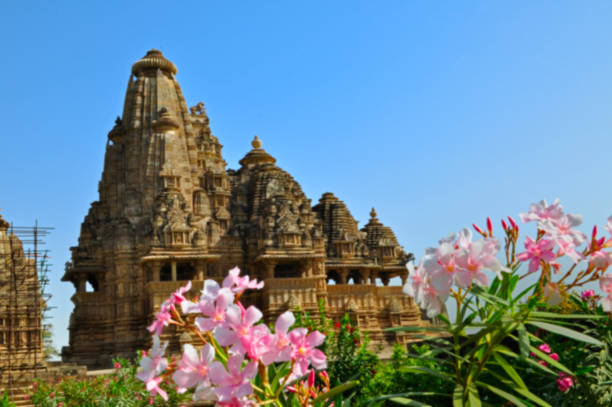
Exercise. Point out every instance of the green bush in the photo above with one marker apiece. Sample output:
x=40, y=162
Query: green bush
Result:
x=120, y=389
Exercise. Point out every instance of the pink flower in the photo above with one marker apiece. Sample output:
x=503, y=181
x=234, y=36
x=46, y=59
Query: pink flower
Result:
x=178, y=296
x=153, y=366
x=279, y=346
x=240, y=331
x=193, y=369
x=563, y=227
x=473, y=260
x=304, y=350
x=425, y=294
x=542, y=211
x=605, y=283
x=554, y=356
x=545, y=348
x=564, y=382
x=537, y=251
x=117, y=365
x=162, y=318
x=214, y=310
x=239, y=284
x=235, y=384
x=600, y=259
x=587, y=294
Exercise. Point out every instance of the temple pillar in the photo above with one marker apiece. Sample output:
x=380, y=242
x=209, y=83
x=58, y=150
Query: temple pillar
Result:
x=365, y=276
x=269, y=269
x=173, y=270
x=343, y=275
x=81, y=283
x=155, y=271
x=373, y=277
x=385, y=279
x=200, y=270
x=404, y=277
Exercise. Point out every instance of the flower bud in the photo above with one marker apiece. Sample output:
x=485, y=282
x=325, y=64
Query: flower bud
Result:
x=489, y=226
x=512, y=222
x=504, y=225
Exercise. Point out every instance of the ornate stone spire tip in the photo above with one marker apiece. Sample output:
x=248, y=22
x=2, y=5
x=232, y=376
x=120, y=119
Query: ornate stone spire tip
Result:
x=154, y=59
x=256, y=143
x=373, y=213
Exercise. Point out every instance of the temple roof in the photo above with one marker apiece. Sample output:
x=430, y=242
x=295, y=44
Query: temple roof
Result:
x=154, y=59
x=257, y=156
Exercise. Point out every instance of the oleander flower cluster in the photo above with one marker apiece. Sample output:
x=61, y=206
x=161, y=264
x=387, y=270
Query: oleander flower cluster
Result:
x=459, y=262
x=236, y=346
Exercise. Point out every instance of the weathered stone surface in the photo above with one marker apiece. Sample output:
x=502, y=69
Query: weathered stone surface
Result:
x=170, y=211
x=21, y=348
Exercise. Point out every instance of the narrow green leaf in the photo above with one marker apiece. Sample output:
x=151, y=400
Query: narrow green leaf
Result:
x=372, y=402
x=523, y=340
x=549, y=360
x=509, y=370
x=503, y=394
x=553, y=316
x=408, y=402
x=423, y=369
x=473, y=396
x=416, y=329
x=485, y=296
x=570, y=333
x=523, y=392
x=335, y=391
x=458, y=395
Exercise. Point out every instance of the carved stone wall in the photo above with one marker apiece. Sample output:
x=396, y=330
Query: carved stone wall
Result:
x=21, y=348
x=170, y=211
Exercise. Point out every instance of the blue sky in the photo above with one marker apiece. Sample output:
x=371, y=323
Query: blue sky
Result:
x=437, y=113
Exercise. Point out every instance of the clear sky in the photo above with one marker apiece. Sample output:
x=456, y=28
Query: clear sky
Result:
x=436, y=113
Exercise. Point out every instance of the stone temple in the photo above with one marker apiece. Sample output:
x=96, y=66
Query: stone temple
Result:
x=21, y=347
x=170, y=211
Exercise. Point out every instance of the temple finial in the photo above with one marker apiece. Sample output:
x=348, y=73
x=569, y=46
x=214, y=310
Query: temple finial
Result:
x=373, y=213
x=256, y=143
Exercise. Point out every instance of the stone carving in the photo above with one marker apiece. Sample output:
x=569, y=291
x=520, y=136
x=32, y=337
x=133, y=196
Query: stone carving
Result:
x=198, y=110
x=170, y=211
x=21, y=348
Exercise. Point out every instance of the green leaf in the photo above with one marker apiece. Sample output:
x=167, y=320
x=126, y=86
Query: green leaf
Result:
x=426, y=370
x=491, y=299
x=523, y=341
x=549, y=360
x=473, y=396
x=570, y=333
x=503, y=394
x=335, y=391
x=553, y=316
x=372, y=402
x=408, y=402
x=415, y=329
x=509, y=370
x=458, y=395
x=522, y=391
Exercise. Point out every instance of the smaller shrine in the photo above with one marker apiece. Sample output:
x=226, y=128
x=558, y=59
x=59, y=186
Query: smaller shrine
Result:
x=21, y=346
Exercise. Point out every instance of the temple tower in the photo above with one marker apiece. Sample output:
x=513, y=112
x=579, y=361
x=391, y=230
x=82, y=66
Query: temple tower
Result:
x=21, y=347
x=169, y=211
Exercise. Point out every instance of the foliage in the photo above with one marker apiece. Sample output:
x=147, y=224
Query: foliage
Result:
x=5, y=402
x=492, y=332
x=346, y=347
x=398, y=377
x=119, y=389
x=592, y=365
